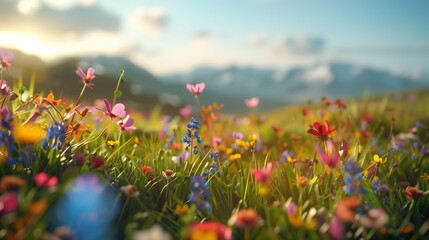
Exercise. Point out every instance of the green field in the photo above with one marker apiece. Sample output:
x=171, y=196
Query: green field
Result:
x=72, y=172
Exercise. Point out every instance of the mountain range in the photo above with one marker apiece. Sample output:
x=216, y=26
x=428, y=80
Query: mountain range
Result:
x=228, y=86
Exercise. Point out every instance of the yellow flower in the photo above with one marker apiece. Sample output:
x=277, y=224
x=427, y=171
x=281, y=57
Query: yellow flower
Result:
x=377, y=159
x=29, y=134
x=181, y=209
x=112, y=143
x=289, y=159
x=45, y=126
x=234, y=157
x=263, y=190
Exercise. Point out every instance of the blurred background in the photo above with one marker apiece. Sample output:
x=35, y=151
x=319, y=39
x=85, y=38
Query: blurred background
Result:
x=283, y=52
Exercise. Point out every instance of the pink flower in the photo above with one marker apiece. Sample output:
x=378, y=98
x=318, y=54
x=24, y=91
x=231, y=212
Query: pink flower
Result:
x=117, y=110
x=252, y=102
x=8, y=203
x=330, y=158
x=262, y=175
x=126, y=124
x=44, y=180
x=336, y=229
x=86, y=79
x=197, y=89
x=217, y=141
x=186, y=111
x=237, y=135
x=4, y=60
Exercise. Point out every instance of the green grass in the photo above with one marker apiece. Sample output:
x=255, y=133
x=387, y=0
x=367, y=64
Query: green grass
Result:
x=233, y=187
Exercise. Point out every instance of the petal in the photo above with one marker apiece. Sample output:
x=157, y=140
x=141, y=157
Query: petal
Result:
x=9, y=56
x=313, y=132
x=1, y=55
x=190, y=88
x=107, y=105
x=119, y=109
x=201, y=87
x=129, y=122
x=316, y=125
x=327, y=125
x=90, y=72
x=80, y=73
x=52, y=182
x=41, y=179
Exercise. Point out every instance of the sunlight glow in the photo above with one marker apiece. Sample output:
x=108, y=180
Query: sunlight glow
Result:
x=26, y=44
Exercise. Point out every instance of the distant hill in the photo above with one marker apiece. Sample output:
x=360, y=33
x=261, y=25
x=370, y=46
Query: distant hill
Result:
x=229, y=86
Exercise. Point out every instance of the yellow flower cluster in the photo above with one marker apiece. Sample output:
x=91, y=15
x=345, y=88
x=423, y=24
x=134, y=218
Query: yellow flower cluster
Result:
x=112, y=143
x=250, y=144
x=235, y=157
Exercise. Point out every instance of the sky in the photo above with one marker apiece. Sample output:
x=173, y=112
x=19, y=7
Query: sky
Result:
x=171, y=36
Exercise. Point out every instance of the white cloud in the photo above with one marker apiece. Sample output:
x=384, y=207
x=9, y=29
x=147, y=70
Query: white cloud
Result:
x=151, y=21
x=67, y=4
x=201, y=40
x=296, y=46
x=28, y=6
x=96, y=42
x=319, y=74
x=258, y=39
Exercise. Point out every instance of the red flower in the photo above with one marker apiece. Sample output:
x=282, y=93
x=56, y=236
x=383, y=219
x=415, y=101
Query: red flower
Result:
x=413, y=193
x=245, y=219
x=368, y=118
x=147, y=169
x=340, y=104
x=320, y=130
x=97, y=162
x=305, y=111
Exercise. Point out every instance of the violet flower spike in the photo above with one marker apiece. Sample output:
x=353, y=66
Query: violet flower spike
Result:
x=86, y=79
x=126, y=124
x=117, y=111
x=4, y=60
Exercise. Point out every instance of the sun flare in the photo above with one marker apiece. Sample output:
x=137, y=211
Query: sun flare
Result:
x=26, y=44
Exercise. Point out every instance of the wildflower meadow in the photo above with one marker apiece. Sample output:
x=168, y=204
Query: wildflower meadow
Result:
x=328, y=169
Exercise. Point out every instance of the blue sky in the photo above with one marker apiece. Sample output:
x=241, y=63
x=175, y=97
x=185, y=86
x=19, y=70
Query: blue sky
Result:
x=167, y=36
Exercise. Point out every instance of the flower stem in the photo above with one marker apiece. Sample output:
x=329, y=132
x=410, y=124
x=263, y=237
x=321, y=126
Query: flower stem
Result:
x=117, y=87
x=78, y=100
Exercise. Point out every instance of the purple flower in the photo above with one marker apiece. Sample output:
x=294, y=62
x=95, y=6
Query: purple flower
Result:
x=86, y=79
x=117, y=111
x=126, y=124
x=4, y=60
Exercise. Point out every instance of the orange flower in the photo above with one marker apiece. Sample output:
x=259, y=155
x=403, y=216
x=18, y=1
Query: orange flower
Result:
x=11, y=183
x=345, y=211
x=49, y=99
x=207, y=110
x=217, y=107
x=302, y=181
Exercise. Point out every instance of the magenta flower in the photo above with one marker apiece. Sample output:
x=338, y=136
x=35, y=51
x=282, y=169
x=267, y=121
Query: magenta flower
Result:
x=117, y=111
x=252, y=102
x=126, y=124
x=8, y=203
x=4, y=60
x=86, y=79
x=336, y=229
x=197, y=89
x=44, y=180
x=330, y=158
